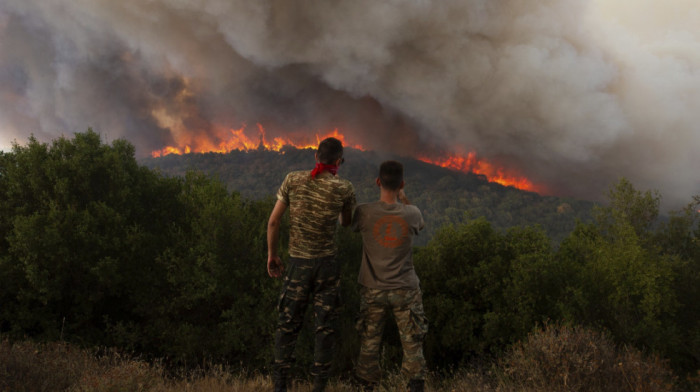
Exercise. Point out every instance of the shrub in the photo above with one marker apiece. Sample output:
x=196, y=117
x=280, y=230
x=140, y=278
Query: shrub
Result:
x=564, y=358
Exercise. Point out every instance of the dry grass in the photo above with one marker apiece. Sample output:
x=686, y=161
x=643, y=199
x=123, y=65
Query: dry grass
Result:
x=562, y=358
x=559, y=358
x=26, y=366
x=30, y=367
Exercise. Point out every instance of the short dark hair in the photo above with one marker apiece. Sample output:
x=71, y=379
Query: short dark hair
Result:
x=391, y=175
x=329, y=150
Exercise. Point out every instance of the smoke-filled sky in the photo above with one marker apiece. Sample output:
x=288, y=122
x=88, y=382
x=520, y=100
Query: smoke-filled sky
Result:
x=572, y=94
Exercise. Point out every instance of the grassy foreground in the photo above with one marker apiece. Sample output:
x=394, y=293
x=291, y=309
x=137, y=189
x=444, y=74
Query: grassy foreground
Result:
x=557, y=358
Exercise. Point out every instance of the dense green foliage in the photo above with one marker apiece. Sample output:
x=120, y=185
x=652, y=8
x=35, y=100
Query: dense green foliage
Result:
x=98, y=250
x=445, y=196
x=485, y=289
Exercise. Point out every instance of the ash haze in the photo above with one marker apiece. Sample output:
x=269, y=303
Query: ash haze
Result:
x=572, y=94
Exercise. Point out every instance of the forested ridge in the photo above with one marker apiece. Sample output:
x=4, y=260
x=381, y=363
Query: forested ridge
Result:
x=99, y=250
x=445, y=196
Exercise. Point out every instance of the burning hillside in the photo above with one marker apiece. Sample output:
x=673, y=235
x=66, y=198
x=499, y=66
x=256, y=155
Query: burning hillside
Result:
x=238, y=140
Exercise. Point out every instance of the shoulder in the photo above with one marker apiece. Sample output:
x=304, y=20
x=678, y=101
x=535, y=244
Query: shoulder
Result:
x=345, y=188
x=297, y=177
x=413, y=212
x=343, y=183
x=412, y=209
x=366, y=209
x=363, y=206
x=362, y=212
x=298, y=174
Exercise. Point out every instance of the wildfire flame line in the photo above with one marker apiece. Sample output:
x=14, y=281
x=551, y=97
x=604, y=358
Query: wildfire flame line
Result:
x=237, y=140
x=471, y=164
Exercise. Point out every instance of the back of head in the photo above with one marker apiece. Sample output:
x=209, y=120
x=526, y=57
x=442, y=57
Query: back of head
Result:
x=391, y=175
x=329, y=151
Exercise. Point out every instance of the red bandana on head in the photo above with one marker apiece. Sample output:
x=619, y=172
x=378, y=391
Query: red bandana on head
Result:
x=321, y=167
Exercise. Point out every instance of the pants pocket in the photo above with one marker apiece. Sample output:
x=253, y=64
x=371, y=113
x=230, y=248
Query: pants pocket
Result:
x=285, y=284
x=419, y=323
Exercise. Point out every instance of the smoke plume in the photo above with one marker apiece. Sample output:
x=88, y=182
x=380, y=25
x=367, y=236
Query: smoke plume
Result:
x=572, y=94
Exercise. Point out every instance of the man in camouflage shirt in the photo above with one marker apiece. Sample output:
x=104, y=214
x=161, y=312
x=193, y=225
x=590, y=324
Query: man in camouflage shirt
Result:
x=389, y=282
x=316, y=201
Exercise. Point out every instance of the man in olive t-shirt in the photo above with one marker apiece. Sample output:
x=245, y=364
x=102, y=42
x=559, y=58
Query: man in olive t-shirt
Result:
x=316, y=200
x=389, y=281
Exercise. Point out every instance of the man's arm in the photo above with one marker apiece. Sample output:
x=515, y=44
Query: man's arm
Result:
x=421, y=223
x=274, y=264
x=346, y=216
x=403, y=198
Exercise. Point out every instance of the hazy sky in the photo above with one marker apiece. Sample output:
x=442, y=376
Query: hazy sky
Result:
x=573, y=94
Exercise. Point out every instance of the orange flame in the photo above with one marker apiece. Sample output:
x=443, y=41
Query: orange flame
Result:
x=238, y=140
x=470, y=164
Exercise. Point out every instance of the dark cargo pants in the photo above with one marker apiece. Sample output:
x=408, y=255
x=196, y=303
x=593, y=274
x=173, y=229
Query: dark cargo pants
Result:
x=308, y=280
x=407, y=307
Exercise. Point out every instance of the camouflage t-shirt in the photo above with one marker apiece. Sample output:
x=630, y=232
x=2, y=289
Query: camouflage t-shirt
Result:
x=314, y=207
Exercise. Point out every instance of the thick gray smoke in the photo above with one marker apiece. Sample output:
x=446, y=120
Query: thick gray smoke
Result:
x=559, y=90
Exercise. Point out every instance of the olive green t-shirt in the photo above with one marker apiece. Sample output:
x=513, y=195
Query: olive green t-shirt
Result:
x=387, y=244
x=314, y=207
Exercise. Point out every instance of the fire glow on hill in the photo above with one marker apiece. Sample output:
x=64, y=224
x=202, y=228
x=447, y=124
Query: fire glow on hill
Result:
x=239, y=141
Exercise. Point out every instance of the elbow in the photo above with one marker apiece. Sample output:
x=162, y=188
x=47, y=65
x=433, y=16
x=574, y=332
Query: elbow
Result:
x=273, y=224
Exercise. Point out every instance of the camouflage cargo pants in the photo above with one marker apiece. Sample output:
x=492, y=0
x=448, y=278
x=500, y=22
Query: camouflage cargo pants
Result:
x=407, y=307
x=308, y=280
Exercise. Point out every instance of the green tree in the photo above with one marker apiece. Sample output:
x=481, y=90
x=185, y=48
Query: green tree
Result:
x=619, y=279
x=484, y=289
x=678, y=240
x=99, y=250
x=628, y=208
x=78, y=227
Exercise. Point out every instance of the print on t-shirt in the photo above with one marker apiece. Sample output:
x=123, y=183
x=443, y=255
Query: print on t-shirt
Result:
x=390, y=231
